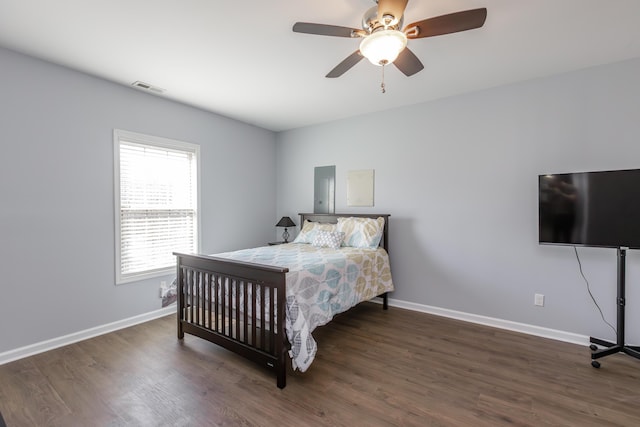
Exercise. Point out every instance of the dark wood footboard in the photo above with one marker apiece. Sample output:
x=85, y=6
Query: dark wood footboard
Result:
x=237, y=305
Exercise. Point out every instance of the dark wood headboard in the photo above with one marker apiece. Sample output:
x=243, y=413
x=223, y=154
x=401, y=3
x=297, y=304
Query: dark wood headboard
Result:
x=333, y=219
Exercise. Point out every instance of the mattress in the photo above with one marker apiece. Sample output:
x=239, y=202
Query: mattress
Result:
x=321, y=283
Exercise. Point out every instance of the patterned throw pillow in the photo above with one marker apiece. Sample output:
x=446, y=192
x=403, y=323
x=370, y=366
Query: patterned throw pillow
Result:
x=310, y=229
x=361, y=232
x=328, y=239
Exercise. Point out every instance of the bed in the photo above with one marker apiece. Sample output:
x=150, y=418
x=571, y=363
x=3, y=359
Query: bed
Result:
x=264, y=303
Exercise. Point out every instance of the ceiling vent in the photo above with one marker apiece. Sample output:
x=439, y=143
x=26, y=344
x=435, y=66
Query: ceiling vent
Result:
x=147, y=86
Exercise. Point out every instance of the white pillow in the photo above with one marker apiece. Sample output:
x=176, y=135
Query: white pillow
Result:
x=309, y=230
x=328, y=239
x=361, y=232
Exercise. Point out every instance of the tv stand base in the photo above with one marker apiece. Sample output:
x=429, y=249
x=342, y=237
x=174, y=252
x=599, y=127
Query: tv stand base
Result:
x=611, y=348
x=619, y=346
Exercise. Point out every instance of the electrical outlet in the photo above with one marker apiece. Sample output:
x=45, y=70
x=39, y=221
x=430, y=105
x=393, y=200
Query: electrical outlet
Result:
x=539, y=300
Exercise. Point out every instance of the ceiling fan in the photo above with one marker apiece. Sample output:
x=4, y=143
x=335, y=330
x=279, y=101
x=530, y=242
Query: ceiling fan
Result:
x=384, y=42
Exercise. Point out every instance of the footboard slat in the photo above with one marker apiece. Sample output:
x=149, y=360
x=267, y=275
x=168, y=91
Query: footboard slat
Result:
x=216, y=286
x=245, y=308
x=262, y=317
x=239, y=284
x=272, y=320
x=197, y=287
x=209, y=301
x=254, y=318
x=191, y=293
x=224, y=293
x=239, y=306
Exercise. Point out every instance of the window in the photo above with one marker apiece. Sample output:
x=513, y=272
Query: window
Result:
x=156, y=201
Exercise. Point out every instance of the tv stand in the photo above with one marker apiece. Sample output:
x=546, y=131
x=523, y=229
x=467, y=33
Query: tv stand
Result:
x=619, y=345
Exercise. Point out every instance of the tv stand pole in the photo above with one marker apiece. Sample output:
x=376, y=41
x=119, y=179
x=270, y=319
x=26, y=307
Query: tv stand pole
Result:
x=619, y=345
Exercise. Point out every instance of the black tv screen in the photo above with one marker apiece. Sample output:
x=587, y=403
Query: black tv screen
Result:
x=599, y=209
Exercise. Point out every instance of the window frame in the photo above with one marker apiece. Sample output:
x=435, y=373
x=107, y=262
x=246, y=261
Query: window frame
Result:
x=120, y=135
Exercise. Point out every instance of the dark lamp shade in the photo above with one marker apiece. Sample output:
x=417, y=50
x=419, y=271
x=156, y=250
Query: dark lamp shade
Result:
x=285, y=221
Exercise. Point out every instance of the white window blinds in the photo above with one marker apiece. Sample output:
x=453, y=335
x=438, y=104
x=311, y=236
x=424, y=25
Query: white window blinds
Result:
x=157, y=208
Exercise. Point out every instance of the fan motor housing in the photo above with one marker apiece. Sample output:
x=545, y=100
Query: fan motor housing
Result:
x=370, y=21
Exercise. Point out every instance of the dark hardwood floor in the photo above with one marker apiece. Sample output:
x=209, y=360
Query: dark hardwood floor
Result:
x=373, y=368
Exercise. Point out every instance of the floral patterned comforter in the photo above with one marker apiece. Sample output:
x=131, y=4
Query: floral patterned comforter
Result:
x=321, y=283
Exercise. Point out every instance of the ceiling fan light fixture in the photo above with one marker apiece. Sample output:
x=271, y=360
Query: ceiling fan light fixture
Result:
x=383, y=46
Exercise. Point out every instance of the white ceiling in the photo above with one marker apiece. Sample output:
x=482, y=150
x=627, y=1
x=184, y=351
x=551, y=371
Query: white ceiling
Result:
x=239, y=58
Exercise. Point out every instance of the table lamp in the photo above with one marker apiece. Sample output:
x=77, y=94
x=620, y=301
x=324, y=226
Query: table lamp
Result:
x=285, y=222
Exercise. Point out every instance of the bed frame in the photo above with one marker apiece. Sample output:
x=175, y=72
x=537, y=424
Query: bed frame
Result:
x=239, y=320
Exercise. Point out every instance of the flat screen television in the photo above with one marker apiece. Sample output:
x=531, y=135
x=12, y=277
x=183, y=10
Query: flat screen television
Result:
x=600, y=209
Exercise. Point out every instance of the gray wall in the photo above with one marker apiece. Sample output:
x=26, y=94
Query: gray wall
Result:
x=56, y=193
x=459, y=177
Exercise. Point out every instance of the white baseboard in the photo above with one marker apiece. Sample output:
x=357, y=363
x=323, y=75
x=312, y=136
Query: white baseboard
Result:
x=51, y=344
x=493, y=322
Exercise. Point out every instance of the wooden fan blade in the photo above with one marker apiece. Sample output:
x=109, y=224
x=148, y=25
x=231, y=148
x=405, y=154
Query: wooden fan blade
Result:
x=447, y=24
x=408, y=62
x=326, y=30
x=391, y=7
x=345, y=65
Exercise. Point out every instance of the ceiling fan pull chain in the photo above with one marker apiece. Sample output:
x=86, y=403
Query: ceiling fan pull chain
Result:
x=382, y=84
